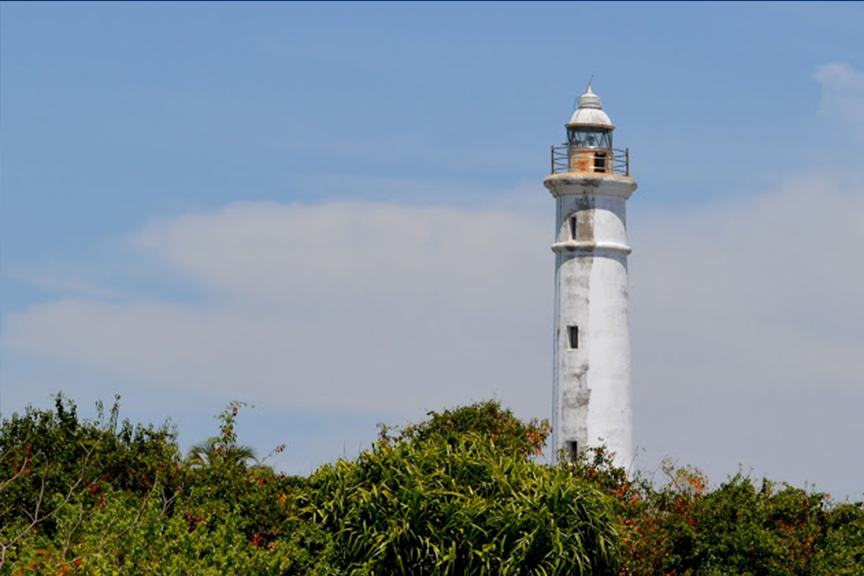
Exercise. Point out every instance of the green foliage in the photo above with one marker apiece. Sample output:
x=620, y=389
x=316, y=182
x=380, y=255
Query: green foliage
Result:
x=226, y=518
x=683, y=528
x=212, y=453
x=456, y=494
x=131, y=536
x=47, y=457
x=840, y=551
x=486, y=419
x=223, y=451
x=460, y=506
x=60, y=445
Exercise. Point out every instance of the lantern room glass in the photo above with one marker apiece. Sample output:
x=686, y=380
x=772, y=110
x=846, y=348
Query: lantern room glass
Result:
x=589, y=137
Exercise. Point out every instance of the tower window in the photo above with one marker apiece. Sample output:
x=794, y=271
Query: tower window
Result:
x=572, y=450
x=573, y=228
x=573, y=334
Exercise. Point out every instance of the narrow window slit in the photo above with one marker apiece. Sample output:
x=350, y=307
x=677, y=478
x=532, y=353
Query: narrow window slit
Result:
x=573, y=333
x=573, y=228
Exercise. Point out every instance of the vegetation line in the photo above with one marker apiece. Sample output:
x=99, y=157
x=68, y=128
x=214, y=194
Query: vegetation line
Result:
x=458, y=494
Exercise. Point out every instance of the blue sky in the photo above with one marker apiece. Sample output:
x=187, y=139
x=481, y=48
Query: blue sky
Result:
x=335, y=212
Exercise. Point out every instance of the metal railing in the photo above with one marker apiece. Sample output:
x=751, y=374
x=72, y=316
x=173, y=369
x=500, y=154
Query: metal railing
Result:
x=566, y=158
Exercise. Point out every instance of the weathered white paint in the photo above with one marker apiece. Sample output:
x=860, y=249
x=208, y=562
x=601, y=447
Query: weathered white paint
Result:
x=591, y=388
x=589, y=111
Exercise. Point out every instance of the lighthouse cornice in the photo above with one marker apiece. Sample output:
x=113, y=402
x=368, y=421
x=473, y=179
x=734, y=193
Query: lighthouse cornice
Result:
x=592, y=247
x=574, y=183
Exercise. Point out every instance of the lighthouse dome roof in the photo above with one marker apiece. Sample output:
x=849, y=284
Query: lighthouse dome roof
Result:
x=589, y=111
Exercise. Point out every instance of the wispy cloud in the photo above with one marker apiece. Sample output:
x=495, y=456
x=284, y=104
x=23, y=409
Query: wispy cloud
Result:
x=740, y=309
x=747, y=333
x=842, y=95
x=341, y=306
x=67, y=283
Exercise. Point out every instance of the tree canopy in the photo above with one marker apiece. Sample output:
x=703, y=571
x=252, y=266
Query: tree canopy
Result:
x=459, y=493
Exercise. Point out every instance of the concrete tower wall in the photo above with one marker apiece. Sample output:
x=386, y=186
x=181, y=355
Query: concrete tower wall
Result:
x=591, y=397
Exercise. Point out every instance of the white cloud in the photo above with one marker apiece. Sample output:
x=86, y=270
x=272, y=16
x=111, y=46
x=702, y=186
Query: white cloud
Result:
x=842, y=94
x=371, y=306
x=346, y=306
x=346, y=251
x=771, y=284
x=747, y=334
x=746, y=315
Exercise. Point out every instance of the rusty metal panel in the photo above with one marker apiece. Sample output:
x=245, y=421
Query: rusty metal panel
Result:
x=567, y=159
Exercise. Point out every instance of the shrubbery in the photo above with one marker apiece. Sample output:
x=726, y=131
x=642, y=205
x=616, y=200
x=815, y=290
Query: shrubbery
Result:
x=457, y=494
x=680, y=527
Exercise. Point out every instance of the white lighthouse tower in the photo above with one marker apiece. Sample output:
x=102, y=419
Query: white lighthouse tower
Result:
x=591, y=183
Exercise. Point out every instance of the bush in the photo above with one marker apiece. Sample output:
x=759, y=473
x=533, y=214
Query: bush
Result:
x=458, y=495
x=89, y=497
x=509, y=434
x=683, y=528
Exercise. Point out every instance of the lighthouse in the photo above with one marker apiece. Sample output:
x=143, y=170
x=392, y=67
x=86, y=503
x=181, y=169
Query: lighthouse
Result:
x=591, y=184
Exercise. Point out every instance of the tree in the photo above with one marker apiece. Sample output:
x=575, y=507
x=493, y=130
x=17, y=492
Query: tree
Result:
x=486, y=419
x=213, y=452
x=50, y=460
x=458, y=495
x=223, y=450
x=680, y=526
x=95, y=498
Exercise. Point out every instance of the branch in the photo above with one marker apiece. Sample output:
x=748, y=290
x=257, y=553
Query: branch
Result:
x=135, y=523
x=35, y=518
